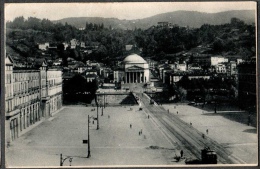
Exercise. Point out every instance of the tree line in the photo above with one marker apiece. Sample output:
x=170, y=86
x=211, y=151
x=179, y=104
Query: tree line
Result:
x=235, y=38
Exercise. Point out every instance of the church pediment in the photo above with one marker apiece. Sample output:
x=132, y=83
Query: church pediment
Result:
x=134, y=68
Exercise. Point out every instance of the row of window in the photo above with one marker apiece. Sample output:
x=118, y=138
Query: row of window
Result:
x=8, y=67
x=22, y=76
x=8, y=78
x=55, y=103
x=54, y=74
x=11, y=104
x=25, y=86
x=8, y=90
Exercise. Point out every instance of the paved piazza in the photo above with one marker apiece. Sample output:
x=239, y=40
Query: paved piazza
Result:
x=115, y=143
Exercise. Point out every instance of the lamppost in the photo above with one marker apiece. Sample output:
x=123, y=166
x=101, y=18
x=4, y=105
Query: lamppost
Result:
x=104, y=100
x=88, y=140
x=63, y=160
x=97, y=118
x=103, y=104
x=97, y=103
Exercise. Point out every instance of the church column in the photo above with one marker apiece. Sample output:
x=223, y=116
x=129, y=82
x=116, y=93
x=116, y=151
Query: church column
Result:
x=133, y=77
x=139, y=77
x=129, y=77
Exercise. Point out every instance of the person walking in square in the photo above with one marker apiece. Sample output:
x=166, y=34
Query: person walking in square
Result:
x=181, y=152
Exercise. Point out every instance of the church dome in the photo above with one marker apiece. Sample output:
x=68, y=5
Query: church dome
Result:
x=134, y=58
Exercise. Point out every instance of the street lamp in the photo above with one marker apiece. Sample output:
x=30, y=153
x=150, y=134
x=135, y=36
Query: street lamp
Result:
x=88, y=140
x=97, y=118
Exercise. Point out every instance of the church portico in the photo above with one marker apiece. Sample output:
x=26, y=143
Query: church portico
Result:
x=135, y=77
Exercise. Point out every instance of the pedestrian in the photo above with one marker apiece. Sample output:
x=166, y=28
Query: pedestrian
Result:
x=141, y=131
x=148, y=116
x=108, y=116
x=177, y=112
x=203, y=135
x=181, y=153
x=130, y=126
x=207, y=131
x=190, y=124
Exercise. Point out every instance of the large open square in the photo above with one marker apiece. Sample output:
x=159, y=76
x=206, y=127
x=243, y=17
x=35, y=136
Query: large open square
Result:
x=116, y=143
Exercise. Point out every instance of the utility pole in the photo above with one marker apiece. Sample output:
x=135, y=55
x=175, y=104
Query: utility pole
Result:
x=104, y=101
x=102, y=110
x=97, y=118
x=88, y=140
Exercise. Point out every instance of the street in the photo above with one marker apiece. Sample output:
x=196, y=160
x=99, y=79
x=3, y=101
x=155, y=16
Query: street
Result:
x=235, y=145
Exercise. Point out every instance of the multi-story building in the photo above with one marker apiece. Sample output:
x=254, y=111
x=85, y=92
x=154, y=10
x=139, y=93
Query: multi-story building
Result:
x=215, y=60
x=27, y=93
x=220, y=68
x=172, y=77
x=54, y=85
x=231, y=68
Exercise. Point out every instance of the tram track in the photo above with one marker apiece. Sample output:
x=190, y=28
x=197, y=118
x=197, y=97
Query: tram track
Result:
x=188, y=137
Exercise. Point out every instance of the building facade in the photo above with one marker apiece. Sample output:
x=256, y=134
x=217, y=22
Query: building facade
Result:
x=27, y=92
x=134, y=70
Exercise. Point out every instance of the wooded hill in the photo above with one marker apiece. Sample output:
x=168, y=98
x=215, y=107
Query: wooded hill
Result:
x=191, y=19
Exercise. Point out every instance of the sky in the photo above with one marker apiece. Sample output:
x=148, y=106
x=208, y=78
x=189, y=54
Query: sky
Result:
x=120, y=10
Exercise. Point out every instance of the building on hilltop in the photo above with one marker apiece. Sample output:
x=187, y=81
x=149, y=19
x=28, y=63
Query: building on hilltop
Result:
x=44, y=46
x=134, y=69
x=31, y=95
x=73, y=43
x=165, y=24
x=218, y=59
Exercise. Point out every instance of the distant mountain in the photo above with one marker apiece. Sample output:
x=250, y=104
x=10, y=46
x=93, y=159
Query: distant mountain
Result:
x=181, y=18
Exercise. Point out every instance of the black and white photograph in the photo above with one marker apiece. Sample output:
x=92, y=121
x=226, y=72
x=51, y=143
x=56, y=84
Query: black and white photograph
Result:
x=130, y=84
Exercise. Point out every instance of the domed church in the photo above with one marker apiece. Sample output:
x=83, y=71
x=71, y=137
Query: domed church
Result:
x=134, y=69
